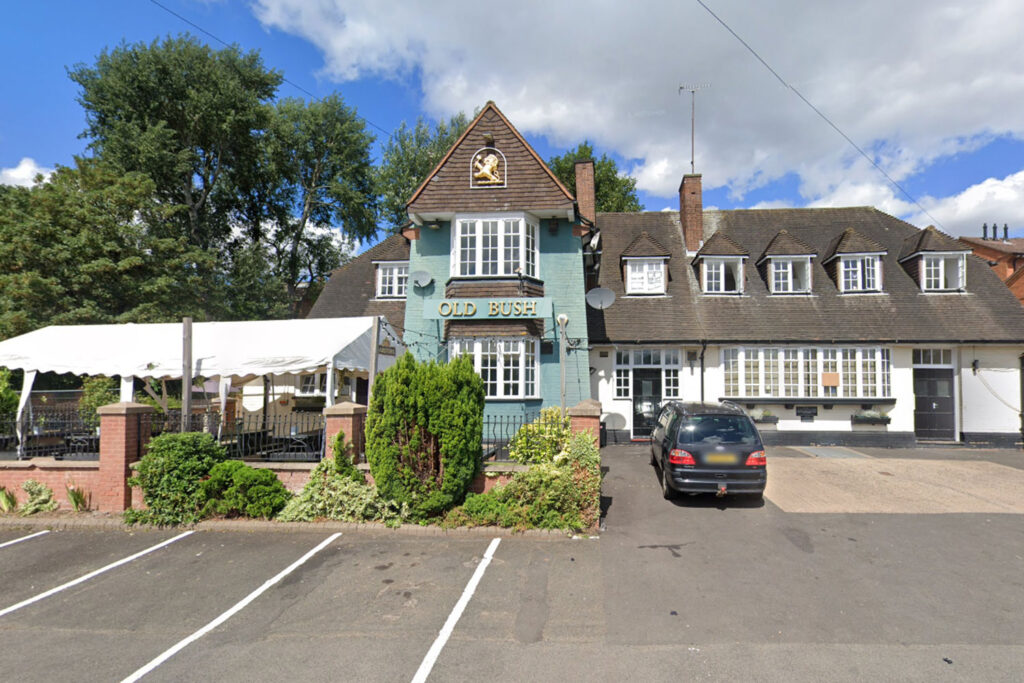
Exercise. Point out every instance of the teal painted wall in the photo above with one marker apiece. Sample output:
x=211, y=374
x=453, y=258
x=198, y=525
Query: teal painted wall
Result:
x=560, y=268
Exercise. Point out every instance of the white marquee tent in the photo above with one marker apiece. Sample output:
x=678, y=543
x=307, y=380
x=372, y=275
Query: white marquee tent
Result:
x=233, y=352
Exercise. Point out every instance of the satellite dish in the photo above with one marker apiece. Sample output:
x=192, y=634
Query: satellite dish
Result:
x=600, y=298
x=421, y=278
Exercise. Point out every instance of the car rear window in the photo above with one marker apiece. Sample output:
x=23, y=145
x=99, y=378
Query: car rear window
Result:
x=716, y=429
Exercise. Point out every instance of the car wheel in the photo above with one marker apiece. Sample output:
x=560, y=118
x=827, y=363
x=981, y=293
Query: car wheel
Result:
x=666, y=491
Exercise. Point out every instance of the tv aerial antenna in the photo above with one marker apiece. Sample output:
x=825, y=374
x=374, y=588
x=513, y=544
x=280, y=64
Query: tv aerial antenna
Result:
x=693, y=113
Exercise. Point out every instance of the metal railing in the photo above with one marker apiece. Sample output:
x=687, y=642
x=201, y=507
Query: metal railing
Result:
x=499, y=431
x=62, y=433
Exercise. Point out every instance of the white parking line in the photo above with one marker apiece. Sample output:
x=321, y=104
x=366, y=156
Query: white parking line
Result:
x=230, y=613
x=453, y=618
x=91, y=574
x=24, y=538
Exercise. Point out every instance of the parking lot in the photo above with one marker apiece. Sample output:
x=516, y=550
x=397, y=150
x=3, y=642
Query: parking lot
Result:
x=805, y=586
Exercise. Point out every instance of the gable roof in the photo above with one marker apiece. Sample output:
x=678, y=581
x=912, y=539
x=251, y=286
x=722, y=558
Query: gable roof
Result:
x=352, y=288
x=849, y=241
x=645, y=245
x=986, y=313
x=1014, y=245
x=785, y=244
x=529, y=183
x=720, y=245
x=929, y=240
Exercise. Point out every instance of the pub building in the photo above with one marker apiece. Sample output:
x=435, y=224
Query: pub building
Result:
x=829, y=326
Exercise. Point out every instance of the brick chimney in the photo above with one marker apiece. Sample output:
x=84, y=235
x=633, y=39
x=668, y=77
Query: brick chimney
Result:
x=585, y=196
x=691, y=211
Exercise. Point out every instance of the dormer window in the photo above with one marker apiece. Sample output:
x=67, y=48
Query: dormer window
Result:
x=392, y=279
x=722, y=275
x=861, y=273
x=645, y=276
x=790, y=275
x=943, y=272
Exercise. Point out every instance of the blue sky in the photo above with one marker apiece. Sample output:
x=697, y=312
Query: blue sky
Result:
x=933, y=93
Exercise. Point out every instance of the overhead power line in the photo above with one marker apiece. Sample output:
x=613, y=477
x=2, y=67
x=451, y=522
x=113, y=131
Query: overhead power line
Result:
x=822, y=115
x=227, y=44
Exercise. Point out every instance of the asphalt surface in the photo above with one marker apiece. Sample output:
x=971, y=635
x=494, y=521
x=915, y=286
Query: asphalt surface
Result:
x=700, y=588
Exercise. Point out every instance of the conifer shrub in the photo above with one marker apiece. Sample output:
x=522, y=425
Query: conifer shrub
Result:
x=235, y=489
x=541, y=440
x=423, y=432
x=171, y=475
x=343, y=464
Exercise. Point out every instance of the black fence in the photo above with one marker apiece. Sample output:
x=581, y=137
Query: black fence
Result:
x=290, y=437
x=499, y=430
x=62, y=433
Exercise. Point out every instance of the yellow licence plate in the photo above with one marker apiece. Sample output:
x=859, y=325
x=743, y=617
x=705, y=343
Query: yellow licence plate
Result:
x=720, y=458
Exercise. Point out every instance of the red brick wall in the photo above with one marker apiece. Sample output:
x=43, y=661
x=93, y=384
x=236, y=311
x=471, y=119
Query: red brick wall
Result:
x=56, y=474
x=691, y=211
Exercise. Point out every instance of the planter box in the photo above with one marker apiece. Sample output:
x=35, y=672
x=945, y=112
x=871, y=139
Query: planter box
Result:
x=862, y=420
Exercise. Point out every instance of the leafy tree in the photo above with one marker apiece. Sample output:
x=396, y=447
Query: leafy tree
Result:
x=183, y=115
x=77, y=249
x=409, y=155
x=613, y=190
x=423, y=431
x=8, y=396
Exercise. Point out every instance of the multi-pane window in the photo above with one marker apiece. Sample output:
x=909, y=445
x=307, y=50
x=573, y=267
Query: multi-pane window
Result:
x=722, y=275
x=494, y=247
x=645, y=276
x=944, y=273
x=311, y=385
x=933, y=357
x=667, y=360
x=508, y=367
x=790, y=275
x=807, y=372
x=860, y=273
x=392, y=279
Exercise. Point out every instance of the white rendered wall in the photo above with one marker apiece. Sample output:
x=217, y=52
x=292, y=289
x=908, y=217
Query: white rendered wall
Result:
x=986, y=394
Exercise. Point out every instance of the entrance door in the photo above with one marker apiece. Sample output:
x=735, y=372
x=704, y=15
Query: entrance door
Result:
x=646, y=401
x=933, y=410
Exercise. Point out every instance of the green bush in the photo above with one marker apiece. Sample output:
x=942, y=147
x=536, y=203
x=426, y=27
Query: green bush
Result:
x=171, y=474
x=343, y=465
x=8, y=396
x=8, y=503
x=331, y=494
x=235, y=489
x=423, y=433
x=96, y=392
x=541, y=440
x=40, y=498
x=563, y=494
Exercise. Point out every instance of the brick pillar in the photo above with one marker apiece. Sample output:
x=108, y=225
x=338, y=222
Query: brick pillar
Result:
x=121, y=444
x=349, y=418
x=586, y=417
x=691, y=211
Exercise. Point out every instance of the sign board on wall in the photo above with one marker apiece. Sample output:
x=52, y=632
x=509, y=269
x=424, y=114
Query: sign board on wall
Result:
x=488, y=309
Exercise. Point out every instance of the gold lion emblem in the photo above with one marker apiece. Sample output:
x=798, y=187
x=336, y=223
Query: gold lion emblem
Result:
x=486, y=169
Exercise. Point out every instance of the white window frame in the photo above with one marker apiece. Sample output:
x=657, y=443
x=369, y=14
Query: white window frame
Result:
x=719, y=264
x=393, y=275
x=796, y=372
x=527, y=375
x=669, y=359
x=516, y=247
x=645, y=275
x=787, y=266
x=861, y=273
x=943, y=261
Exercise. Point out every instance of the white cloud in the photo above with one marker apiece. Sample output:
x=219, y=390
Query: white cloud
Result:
x=909, y=82
x=999, y=201
x=24, y=173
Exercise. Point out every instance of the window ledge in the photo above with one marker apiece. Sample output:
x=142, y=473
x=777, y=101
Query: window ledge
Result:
x=810, y=401
x=864, y=292
x=640, y=295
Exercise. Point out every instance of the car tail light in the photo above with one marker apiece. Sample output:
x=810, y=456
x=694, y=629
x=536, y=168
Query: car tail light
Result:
x=757, y=459
x=677, y=456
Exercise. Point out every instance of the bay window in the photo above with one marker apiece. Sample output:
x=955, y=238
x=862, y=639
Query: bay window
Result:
x=802, y=373
x=508, y=367
x=489, y=246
